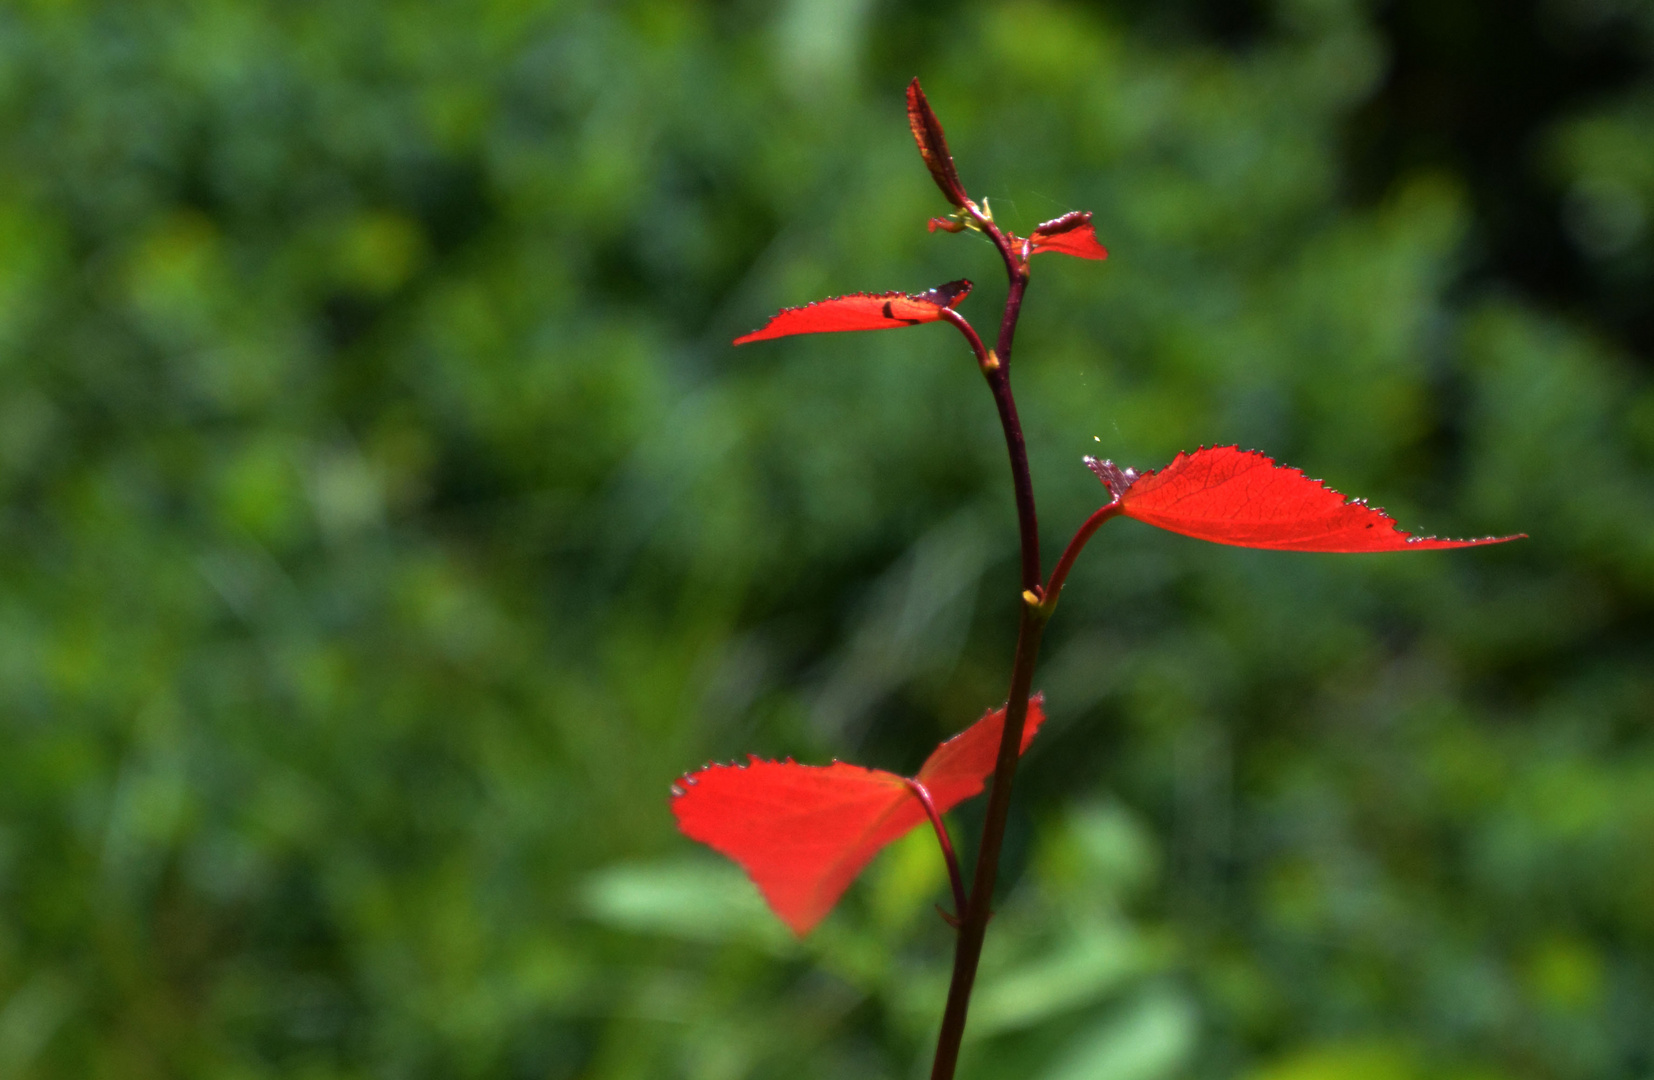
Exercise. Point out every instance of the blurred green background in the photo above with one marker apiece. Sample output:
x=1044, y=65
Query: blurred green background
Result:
x=386, y=522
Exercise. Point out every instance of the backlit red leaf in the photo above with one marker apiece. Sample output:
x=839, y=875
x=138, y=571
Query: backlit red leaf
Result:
x=1070, y=234
x=933, y=147
x=803, y=832
x=956, y=770
x=1232, y=496
x=862, y=311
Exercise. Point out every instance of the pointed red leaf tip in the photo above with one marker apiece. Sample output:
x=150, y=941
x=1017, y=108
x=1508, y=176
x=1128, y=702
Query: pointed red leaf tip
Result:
x=933, y=146
x=1232, y=496
x=1070, y=234
x=862, y=311
x=803, y=832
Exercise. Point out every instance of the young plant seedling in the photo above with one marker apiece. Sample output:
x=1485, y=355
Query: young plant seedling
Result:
x=803, y=832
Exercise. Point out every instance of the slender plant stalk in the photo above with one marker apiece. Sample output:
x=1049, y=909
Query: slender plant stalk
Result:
x=996, y=367
x=999, y=382
x=967, y=950
x=1059, y=575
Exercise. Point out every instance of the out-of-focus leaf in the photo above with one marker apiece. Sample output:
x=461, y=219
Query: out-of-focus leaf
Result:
x=1364, y=1060
x=1087, y=966
x=1149, y=1039
x=697, y=900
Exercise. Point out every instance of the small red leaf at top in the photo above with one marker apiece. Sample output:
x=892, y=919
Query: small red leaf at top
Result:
x=1232, y=496
x=933, y=147
x=862, y=311
x=803, y=832
x=1070, y=234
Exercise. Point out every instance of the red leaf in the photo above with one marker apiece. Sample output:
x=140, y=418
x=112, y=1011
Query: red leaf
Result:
x=862, y=311
x=803, y=832
x=933, y=147
x=1232, y=496
x=956, y=770
x=1070, y=234
x=1081, y=243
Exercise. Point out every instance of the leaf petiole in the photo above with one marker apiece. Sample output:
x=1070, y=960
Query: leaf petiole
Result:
x=1059, y=573
x=955, y=879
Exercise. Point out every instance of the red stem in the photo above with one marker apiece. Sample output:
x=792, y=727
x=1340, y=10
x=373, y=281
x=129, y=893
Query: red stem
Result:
x=995, y=368
x=974, y=926
x=983, y=360
x=1059, y=573
x=954, y=877
x=1038, y=603
x=967, y=950
x=999, y=382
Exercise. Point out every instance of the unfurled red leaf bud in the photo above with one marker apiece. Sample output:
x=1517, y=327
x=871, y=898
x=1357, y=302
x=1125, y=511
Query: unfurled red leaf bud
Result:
x=933, y=146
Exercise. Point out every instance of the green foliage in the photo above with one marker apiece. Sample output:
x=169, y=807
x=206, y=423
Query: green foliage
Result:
x=384, y=522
